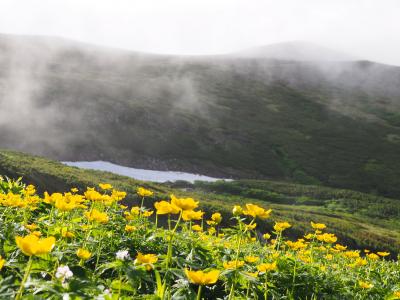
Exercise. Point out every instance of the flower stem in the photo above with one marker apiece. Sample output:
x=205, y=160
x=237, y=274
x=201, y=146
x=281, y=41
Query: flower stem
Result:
x=171, y=237
x=294, y=276
x=232, y=291
x=24, y=279
x=199, y=293
x=266, y=287
x=141, y=206
x=120, y=284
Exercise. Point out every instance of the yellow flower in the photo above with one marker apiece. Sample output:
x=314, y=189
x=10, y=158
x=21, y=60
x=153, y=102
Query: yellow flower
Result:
x=327, y=238
x=105, y=186
x=32, y=245
x=30, y=190
x=52, y=198
x=266, y=267
x=147, y=213
x=237, y=210
x=164, y=207
x=233, y=264
x=97, y=216
x=365, y=285
x=74, y=190
x=188, y=215
x=107, y=200
x=146, y=259
x=184, y=203
x=329, y=256
x=396, y=294
x=135, y=210
x=372, y=256
x=83, y=254
x=360, y=262
x=93, y=195
x=251, y=259
x=351, y=254
x=281, y=226
x=383, y=254
x=296, y=245
x=216, y=217
x=304, y=257
x=201, y=277
x=197, y=228
x=2, y=262
x=340, y=247
x=63, y=205
x=129, y=228
x=256, y=211
x=67, y=234
x=211, y=231
x=37, y=233
x=68, y=202
x=142, y=192
x=318, y=226
x=133, y=213
x=13, y=200
x=85, y=227
x=309, y=236
x=251, y=226
x=31, y=226
x=118, y=195
x=266, y=236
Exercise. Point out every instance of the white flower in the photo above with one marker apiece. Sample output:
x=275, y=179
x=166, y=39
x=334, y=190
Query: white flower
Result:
x=106, y=295
x=122, y=254
x=181, y=283
x=65, y=297
x=64, y=272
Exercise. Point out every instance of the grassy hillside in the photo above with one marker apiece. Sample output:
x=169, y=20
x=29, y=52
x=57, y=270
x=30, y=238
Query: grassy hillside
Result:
x=85, y=245
x=335, y=124
x=360, y=220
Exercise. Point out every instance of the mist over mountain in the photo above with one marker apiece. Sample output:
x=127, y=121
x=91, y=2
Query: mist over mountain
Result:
x=298, y=51
x=288, y=111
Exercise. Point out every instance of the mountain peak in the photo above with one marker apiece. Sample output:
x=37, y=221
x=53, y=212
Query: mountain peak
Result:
x=296, y=50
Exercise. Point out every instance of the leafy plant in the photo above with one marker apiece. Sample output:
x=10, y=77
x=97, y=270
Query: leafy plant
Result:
x=85, y=244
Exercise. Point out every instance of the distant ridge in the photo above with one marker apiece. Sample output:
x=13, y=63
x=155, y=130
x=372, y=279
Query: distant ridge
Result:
x=291, y=50
x=296, y=50
x=269, y=114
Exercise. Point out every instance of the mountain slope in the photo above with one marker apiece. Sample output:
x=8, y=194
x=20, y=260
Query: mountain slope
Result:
x=360, y=220
x=299, y=51
x=336, y=123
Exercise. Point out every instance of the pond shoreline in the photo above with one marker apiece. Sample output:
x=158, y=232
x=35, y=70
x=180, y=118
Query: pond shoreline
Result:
x=141, y=174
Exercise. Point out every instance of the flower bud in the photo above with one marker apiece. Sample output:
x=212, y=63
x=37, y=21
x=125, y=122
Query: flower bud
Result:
x=237, y=210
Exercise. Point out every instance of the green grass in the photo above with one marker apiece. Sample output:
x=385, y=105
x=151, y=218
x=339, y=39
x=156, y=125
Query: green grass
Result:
x=92, y=247
x=360, y=220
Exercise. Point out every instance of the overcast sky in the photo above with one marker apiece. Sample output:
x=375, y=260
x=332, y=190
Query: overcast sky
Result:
x=366, y=28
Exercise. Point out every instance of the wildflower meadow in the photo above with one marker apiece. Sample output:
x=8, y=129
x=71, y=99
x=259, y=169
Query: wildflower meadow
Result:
x=88, y=245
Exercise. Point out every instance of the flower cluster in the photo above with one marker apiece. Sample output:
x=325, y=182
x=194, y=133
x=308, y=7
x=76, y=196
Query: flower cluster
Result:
x=89, y=245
